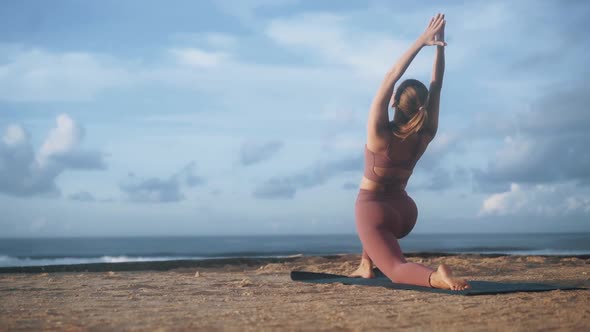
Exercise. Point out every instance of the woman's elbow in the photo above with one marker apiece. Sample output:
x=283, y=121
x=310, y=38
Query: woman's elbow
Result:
x=430, y=132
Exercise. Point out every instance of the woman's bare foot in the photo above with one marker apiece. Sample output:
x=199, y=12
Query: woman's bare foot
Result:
x=365, y=270
x=443, y=278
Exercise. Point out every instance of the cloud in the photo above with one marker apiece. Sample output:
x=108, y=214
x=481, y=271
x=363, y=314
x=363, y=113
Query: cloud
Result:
x=26, y=173
x=442, y=146
x=559, y=111
x=60, y=146
x=199, y=58
x=82, y=196
x=276, y=188
x=157, y=190
x=81, y=159
x=152, y=190
x=247, y=10
x=343, y=142
x=280, y=187
x=14, y=135
x=187, y=175
x=337, y=40
x=341, y=113
x=563, y=41
x=253, y=153
x=537, y=200
x=550, y=143
x=539, y=160
x=437, y=179
x=43, y=76
x=350, y=186
x=60, y=139
x=38, y=224
x=214, y=40
x=221, y=40
x=38, y=75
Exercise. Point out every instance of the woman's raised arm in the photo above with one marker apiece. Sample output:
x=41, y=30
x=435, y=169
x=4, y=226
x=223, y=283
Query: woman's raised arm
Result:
x=438, y=71
x=378, y=123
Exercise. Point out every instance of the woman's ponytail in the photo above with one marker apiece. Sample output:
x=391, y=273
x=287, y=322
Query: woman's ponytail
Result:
x=410, y=99
x=413, y=125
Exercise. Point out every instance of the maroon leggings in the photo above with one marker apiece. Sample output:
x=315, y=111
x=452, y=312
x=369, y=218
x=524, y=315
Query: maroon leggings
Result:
x=382, y=219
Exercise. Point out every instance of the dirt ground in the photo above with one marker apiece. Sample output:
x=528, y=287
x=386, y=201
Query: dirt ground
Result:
x=253, y=297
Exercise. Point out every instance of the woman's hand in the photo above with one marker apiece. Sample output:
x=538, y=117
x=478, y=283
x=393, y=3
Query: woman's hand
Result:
x=440, y=36
x=435, y=27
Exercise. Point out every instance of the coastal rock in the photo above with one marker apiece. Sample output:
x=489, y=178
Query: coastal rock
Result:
x=245, y=282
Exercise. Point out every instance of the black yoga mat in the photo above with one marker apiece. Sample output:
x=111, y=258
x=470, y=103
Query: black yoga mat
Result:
x=477, y=287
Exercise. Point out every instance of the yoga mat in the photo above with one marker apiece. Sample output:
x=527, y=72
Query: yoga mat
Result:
x=477, y=287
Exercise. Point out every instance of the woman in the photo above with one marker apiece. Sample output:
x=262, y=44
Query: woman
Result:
x=384, y=211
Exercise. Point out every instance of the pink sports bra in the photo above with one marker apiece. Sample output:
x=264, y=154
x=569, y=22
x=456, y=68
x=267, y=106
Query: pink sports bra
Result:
x=373, y=159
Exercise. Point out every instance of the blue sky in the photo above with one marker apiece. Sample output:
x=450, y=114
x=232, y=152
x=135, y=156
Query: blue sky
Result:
x=249, y=117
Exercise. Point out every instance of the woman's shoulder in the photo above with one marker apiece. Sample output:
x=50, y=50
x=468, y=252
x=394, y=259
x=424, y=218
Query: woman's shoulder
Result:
x=379, y=143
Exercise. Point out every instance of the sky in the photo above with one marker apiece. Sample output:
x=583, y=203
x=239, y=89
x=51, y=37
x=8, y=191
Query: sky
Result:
x=123, y=118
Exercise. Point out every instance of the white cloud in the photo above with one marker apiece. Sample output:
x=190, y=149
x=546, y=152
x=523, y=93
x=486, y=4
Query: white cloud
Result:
x=209, y=40
x=444, y=142
x=61, y=139
x=488, y=17
x=446, y=145
x=14, y=135
x=221, y=40
x=538, y=200
x=541, y=158
x=245, y=10
x=333, y=39
x=514, y=151
x=578, y=204
x=504, y=203
x=344, y=142
x=199, y=58
x=40, y=75
x=25, y=173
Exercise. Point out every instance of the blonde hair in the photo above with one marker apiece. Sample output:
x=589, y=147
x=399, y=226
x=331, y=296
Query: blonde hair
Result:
x=410, y=98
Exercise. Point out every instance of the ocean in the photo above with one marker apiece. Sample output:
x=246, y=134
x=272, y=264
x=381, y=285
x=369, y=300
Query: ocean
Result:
x=57, y=251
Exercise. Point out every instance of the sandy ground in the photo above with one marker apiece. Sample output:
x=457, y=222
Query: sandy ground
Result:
x=259, y=295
